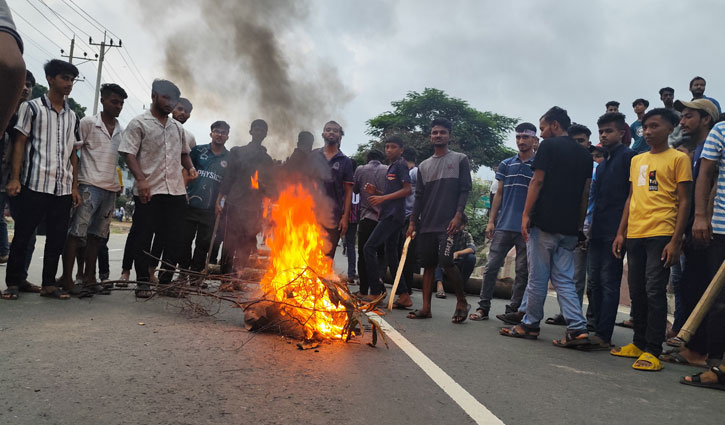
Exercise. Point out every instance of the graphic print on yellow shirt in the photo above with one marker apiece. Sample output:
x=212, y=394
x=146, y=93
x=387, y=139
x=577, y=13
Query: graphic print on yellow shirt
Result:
x=654, y=203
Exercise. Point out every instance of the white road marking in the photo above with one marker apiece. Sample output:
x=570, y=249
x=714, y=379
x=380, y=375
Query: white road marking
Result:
x=477, y=411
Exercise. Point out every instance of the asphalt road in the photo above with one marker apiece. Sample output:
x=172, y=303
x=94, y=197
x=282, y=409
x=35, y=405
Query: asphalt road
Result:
x=92, y=362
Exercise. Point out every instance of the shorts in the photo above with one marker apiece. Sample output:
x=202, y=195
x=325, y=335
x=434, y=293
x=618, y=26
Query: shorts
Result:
x=94, y=215
x=435, y=249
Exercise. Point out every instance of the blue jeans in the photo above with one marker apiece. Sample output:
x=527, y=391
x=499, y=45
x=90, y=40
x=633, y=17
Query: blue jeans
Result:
x=465, y=265
x=4, y=244
x=350, y=249
x=551, y=257
x=605, y=279
x=501, y=244
x=386, y=232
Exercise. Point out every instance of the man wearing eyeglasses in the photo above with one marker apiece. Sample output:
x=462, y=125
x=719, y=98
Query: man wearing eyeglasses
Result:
x=210, y=161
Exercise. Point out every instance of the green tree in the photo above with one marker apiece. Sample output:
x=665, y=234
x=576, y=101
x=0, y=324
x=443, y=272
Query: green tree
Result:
x=39, y=90
x=476, y=212
x=480, y=135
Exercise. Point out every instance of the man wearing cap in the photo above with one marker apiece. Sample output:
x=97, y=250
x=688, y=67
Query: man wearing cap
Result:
x=698, y=118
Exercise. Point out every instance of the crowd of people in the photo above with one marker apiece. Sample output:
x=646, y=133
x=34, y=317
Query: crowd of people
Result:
x=652, y=192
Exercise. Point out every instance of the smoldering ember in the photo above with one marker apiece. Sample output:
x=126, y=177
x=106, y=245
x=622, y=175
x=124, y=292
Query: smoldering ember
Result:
x=405, y=212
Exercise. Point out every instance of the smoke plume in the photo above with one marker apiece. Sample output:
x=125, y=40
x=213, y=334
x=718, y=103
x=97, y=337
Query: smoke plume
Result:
x=242, y=60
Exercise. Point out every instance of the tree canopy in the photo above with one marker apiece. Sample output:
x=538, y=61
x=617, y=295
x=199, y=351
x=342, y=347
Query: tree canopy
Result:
x=39, y=90
x=480, y=135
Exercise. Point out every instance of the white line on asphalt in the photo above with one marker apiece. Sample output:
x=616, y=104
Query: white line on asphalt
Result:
x=477, y=411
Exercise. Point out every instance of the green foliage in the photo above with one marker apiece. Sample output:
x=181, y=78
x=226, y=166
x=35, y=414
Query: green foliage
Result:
x=475, y=211
x=39, y=90
x=480, y=135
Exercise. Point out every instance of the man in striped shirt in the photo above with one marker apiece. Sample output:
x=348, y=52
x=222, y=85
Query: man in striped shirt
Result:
x=44, y=180
x=98, y=185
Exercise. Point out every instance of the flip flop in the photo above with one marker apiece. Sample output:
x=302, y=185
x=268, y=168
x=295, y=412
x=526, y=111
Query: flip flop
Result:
x=674, y=342
x=573, y=341
x=143, y=291
x=654, y=363
x=441, y=294
x=56, y=293
x=697, y=380
x=416, y=314
x=630, y=350
x=514, y=332
x=624, y=324
x=479, y=315
x=678, y=358
x=557, y=320
x=459, y=316
x=398, y=306
x=11, y=293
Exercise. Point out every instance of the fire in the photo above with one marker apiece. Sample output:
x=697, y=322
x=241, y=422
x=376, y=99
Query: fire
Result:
x=297, y=258
x=255, y=180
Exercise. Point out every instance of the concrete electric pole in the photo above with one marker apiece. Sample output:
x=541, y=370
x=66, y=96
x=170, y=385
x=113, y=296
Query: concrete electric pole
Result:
x=103, y=48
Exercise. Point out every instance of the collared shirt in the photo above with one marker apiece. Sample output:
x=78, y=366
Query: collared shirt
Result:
x=515, y=176
x=204, y=190
x=51, y=136
x=342, y=174
x=610, y=189
x=99, y=153
x=374, y=173
x=398, y=174
x=158, y=149
x=714, y=150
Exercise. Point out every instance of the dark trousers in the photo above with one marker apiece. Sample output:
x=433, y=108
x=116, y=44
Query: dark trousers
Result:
x=239, y=241
x=31, y=208
x=386, y=234
x=350, y=249
x=411, y=265
x=465, y=265
x=648, y=280
x=199, y=225
x=104, y=268
x=163, y=215
x=364, y=228
x=128, y=249
x=605, y=280
x=13, y=204
x=699, y=268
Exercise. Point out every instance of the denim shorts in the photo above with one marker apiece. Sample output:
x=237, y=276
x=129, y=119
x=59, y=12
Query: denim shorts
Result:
x=93, y=216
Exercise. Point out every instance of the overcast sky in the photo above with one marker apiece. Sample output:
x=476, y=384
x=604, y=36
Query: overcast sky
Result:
x=515, y=58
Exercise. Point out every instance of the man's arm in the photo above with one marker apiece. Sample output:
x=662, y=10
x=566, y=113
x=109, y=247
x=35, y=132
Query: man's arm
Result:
x=495, y=206
x=189, y=166
x=464, y=188
x=618, y=244
x=13, y=186
x=584, y=204
x=671, y=253
x=142, y=185
x=74, y=160
x=702, y=226
x=535, y=185
x=12, y=74
x=402, y=193
x=342, y=226
x=417, y=204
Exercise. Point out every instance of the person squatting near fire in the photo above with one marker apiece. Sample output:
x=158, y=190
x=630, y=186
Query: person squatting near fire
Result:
x=504, y=223
x=44, y=179
x=248, y=177
x=444, y=182
x=651, y=231
x=464, y=258
x=97, y=185
x=391, y=200
x=210, y=161
x=156, y=149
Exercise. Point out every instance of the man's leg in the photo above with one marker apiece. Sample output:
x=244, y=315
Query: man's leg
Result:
x=376, y=239
x=365, y=228
x=128, y=250
x=333, y=237
x=609, y=277
x=189, y=231
x=562, y=278
x=393, y=229
x=445, y=260
x=501, y=244
x=104, y=267
x=204, y=233
x=57, y=220
x=539, y=250
x=411, y=262
x=694, y=280
x=636, y=277
x=522, y=274
x=580, y=272
x=677, y=288
x=4, y=242
x=466, y=264
x=28, y=209
x=350, y=244
x=14, y=205
x=143, y=220
x=656, y=287
x=98, y=232
x=172, y=219
x=598, y=248
x=716, y=317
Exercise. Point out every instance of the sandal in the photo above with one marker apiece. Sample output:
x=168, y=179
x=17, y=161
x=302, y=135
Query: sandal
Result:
x=697, y=380
x=460, y=316
x=441, y=294
x=630, y=350
x=417, y=314
x=678, y=358
x=625, y=324
x=654, y=363
x=29, y=287
x=479, y=315
x=143, y=290
x=573, y=339
x=513, y=318
x=56, y=293
x=674, y=342
x=398, y=306
x=557, y=320
x=520, y=331
x=596, y=343
x=11, y=293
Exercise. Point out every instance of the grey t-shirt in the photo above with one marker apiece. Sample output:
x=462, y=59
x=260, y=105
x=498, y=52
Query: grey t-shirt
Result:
x=7, y=25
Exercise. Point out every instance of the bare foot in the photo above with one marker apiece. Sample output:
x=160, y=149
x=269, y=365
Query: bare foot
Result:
x=125, y=274
x=708, y=377
x=693, y=358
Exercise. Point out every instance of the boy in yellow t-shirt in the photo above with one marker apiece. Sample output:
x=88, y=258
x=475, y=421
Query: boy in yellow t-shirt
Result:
x=652, y=227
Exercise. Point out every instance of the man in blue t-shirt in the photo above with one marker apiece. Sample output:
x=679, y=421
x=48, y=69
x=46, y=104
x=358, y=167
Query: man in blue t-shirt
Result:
x=392, y=220
x=697, y=88
x=210, y=161
x=504, y=222
x=638, y=144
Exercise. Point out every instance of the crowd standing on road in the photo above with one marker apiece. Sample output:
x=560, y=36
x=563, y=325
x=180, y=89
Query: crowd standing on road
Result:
x=652, y=192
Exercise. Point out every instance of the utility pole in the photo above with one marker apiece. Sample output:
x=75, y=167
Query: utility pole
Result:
x=71, y=57
x=103, y=46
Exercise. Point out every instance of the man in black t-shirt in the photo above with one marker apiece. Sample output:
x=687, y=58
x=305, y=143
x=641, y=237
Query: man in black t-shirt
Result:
x=552, y=220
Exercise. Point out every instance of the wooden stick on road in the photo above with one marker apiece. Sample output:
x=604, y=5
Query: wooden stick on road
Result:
x=399, y=273
x=702, y=307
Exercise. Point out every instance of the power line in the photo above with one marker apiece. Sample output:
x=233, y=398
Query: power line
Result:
x=82, y=14
x=141, y=80
x=28, y=38
x=36, y=29
x=48, y=19
x=94, y=19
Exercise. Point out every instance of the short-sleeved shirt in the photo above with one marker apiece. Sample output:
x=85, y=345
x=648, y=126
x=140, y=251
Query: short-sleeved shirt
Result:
x=99, y=153
x=654, y=202
x=515, y=176
x=342, y=174
x=441, y=191
x=7, y=25
x=639, y=145
x=397, y=175
x=190, y=139
x=717, y=104
x=568, y=166
x=374, y=173
x=714, y=150
x=52, y=137
x=204, y=190
x=158, y=149
x=610, y=189
x=410, y=199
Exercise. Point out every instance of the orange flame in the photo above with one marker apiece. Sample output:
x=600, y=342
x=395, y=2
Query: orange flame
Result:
x=297, y=258
x=255, y=180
